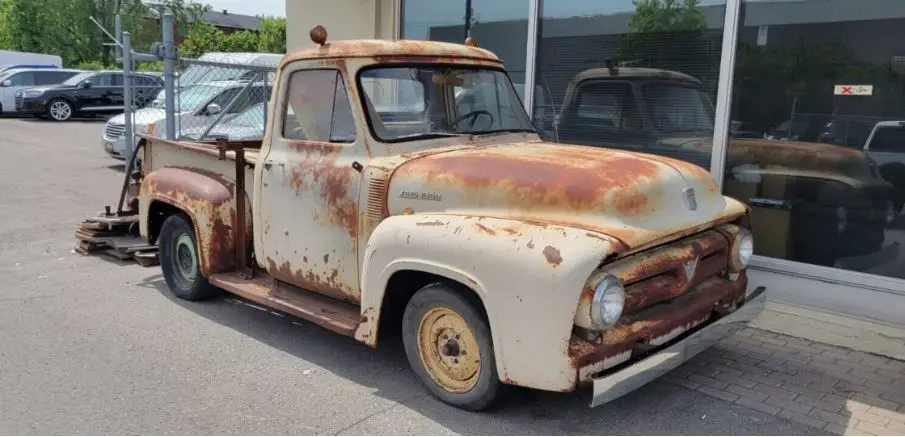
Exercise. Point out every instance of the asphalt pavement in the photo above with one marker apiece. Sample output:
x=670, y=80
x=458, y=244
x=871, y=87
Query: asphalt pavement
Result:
x=93, y=346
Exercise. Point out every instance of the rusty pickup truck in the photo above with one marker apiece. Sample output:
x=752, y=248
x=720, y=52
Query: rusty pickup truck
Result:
x=379, y=199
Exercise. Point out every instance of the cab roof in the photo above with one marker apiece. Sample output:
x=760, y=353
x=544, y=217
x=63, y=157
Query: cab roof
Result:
x=373, y=48
x=632, y=72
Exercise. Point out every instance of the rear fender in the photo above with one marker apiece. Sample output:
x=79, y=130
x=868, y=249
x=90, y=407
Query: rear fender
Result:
x=208, y=200
x=528, y=276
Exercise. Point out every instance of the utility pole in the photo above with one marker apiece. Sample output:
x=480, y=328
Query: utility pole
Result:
x=468, y=13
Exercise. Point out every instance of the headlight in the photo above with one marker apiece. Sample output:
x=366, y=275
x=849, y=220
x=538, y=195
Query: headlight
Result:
x=609, y=300
x=32, y=93
x=742, y=250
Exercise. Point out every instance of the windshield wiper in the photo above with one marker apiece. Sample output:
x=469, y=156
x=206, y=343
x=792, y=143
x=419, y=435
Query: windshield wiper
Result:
x=429, y=135
x=501, y=131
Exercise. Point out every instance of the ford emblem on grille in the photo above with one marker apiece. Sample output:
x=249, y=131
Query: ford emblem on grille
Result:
x=690, y=267
x=690, y=200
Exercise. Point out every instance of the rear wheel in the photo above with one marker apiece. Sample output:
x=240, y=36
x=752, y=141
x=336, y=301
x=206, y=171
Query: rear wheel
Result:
x=178, y=251
x=59, y=110
x=448, y=344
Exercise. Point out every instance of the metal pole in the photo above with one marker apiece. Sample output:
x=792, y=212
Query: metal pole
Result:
x=169, y=74
x=467, y=18
x=531, y=56
x=118, y=30
x=724, y=91
x=127, y=92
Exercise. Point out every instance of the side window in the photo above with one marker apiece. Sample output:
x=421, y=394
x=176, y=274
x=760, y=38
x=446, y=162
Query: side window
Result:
x=23, y=79
x=102, y=80
x=889, y=139
x=609, y=105
x=51, y=77
x=318, y=108
x=117, y=80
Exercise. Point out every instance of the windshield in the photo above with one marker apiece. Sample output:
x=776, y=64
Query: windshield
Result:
x=253, y=116
x=427, y=102
x=77, y=79
x=190, y=98
x=676, y=108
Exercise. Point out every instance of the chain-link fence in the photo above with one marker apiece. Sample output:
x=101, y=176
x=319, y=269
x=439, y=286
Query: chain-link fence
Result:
x=218, y=95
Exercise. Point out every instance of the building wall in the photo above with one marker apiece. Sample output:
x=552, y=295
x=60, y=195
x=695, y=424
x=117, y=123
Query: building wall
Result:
x=344, y=19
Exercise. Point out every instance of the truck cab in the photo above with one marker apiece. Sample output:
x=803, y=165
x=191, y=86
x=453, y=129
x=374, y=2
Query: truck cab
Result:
x=379, y=199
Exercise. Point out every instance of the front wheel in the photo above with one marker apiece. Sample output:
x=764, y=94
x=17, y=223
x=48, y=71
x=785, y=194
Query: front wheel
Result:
x=448, y=344
x=178, y=252
x=59, y=110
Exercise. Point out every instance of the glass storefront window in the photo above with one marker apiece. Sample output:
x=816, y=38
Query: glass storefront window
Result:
x=637, y=75
x=817, y=138
x=500, y=26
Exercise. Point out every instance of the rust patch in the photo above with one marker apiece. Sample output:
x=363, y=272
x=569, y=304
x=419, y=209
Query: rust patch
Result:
x=484, y=229
x=310, y=280
x=326, y=258
x=553, y=256
x=531, y=244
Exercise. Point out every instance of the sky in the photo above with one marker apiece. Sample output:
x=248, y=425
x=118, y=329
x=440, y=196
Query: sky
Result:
x=246, y=7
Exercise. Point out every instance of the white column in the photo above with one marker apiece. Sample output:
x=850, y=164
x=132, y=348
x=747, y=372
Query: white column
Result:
x=531, y=54
x=724, y=91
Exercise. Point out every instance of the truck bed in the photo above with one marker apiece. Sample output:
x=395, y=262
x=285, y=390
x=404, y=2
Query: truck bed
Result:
x=201, y=156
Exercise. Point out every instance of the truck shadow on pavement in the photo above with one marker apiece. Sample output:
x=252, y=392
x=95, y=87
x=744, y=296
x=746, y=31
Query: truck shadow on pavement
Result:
x=659, y=408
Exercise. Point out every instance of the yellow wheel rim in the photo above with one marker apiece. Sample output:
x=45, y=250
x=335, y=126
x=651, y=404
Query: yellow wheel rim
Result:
x=449, y=350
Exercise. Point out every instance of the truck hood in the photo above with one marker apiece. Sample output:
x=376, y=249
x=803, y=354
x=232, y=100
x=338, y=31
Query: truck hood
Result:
x=793, y=158
x=144, y=116
x=638, y=199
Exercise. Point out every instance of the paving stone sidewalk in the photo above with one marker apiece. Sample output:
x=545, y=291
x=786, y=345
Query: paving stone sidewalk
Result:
x=840, y=391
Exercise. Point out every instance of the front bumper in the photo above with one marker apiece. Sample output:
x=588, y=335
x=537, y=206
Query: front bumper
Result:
x=36, y=106
x=115, y=147
x=622, y=382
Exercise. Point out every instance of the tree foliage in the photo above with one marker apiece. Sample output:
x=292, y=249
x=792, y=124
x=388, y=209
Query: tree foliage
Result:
x=204, y=37
x=667, y=16
x=64, y=27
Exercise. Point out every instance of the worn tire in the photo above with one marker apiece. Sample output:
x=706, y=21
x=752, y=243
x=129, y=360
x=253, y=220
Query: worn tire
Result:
x=178, y=252
x=480, y=391
x=62, y=115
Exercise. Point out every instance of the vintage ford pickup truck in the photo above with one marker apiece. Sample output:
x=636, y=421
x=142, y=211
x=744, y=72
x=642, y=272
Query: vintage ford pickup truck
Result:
x=379, y=199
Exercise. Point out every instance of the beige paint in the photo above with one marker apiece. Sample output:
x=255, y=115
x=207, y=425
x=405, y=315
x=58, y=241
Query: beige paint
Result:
x=344, y=19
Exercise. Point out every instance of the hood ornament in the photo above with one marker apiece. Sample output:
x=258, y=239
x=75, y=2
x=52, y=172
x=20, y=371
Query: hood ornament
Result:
x=690, y=200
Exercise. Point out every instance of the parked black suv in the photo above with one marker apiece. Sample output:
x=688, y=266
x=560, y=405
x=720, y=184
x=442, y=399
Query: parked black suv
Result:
x=87, y=94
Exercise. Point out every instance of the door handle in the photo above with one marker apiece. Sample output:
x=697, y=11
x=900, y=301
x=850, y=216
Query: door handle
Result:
x=269, y=164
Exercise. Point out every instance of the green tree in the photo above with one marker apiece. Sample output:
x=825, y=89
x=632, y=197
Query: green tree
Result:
x=244, y=41
x=272, y=38
x=667, y=16
x=202, y=37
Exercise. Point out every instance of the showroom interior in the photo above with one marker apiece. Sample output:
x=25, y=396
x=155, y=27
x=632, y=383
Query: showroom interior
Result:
x=797, y=107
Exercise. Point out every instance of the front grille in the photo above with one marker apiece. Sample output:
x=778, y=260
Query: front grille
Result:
x=669, y=291
x=19, y=100
x=114, y=130
x=669, y=271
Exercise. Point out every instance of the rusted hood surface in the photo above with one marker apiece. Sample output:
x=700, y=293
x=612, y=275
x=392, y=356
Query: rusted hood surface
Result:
x=635, y=198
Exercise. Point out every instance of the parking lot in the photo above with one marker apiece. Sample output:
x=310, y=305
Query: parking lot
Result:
x=93, y=346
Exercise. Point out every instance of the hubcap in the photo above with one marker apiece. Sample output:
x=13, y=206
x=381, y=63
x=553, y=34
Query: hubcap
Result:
x=60, y=110
x=186, y=260
x=449, y=350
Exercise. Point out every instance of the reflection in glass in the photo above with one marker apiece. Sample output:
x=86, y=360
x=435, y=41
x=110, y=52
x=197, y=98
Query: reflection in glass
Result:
x=638, y=76
x=817, y=151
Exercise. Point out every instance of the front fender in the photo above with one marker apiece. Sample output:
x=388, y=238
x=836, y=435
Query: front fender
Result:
x=208, y=200
x=528, y=276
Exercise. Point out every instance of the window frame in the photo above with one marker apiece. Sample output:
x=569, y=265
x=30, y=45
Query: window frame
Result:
x=284, y=108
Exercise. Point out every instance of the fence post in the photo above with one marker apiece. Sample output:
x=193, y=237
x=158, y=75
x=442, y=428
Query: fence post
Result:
x=169, y=76
x=118, y=31
x=127, y=93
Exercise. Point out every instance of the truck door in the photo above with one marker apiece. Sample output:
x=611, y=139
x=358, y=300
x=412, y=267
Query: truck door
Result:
x=307, y=200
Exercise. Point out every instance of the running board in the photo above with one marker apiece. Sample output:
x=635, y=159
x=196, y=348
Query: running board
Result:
x=339, y=317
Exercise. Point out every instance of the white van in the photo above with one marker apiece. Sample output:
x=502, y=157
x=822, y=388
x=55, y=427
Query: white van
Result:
x=16, y=79
x=9, y=58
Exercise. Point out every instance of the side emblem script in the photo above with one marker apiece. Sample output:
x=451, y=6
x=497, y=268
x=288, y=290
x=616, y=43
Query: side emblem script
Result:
x=416, y=195
x=690, y=200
